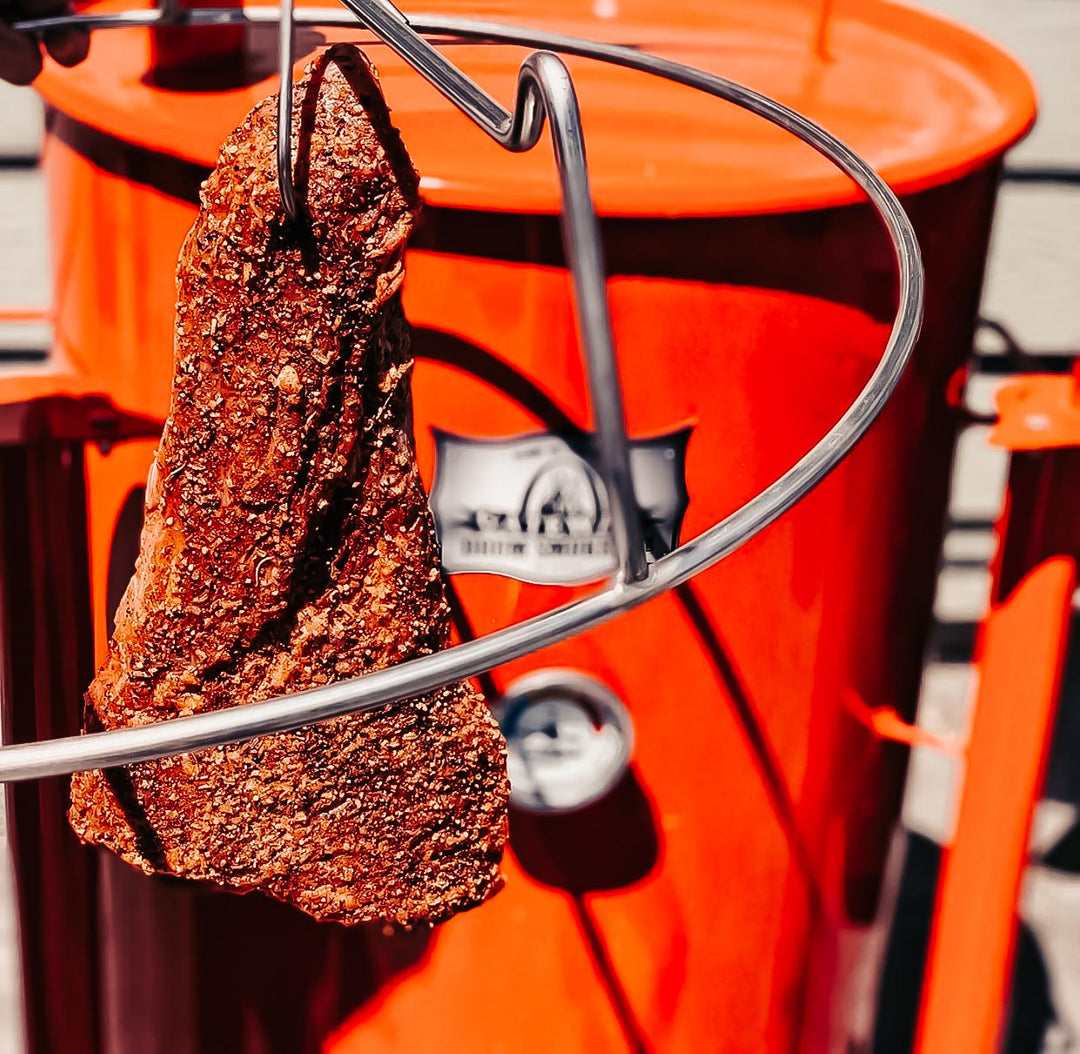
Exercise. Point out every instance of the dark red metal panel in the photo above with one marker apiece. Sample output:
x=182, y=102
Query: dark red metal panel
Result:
x=46, y=651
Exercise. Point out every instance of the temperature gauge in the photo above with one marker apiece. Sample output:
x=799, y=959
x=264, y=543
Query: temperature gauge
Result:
x=569, y=737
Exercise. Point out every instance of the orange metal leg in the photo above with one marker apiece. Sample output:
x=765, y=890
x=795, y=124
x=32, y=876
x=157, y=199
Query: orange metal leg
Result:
x=1023, y=648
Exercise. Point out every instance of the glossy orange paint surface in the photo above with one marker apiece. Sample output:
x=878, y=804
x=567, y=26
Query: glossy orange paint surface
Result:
x=114, y=297
x=921, y=99
x=703, y=904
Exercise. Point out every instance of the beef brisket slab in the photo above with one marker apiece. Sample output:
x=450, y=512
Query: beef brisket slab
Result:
x=288, y=544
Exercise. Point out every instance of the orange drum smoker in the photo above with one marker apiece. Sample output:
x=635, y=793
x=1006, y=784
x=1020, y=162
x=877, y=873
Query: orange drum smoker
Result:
x=703, y=801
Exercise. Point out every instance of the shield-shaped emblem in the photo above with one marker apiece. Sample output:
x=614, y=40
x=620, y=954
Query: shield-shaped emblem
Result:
x=534, y=507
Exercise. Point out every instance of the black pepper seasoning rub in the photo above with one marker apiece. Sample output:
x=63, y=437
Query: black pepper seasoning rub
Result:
x=288, y=544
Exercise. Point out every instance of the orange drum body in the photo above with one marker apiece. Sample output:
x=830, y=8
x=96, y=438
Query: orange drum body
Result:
x=724, y=891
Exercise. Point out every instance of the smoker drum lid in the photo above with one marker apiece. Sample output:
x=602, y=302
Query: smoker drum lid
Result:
x=923, y=100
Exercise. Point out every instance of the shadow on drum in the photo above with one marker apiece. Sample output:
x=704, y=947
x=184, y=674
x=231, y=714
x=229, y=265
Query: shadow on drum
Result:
x=608, y=845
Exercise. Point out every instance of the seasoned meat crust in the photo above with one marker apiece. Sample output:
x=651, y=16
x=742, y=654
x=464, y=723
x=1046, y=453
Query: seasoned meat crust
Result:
x=288, y=543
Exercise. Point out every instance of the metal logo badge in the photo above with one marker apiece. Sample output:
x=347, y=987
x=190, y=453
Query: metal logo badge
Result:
x=534, y=508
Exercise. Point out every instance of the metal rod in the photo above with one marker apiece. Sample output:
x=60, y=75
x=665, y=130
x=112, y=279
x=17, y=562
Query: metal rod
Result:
x=286, y=42
x=585, y=257
x=129, y=745
x=392, y=27
x=546, y=89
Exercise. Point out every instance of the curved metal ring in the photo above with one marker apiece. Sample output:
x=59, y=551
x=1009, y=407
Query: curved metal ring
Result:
x=128, y=745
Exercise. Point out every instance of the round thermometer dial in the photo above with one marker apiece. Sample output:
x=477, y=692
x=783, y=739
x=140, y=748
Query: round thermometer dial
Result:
x=569, y=736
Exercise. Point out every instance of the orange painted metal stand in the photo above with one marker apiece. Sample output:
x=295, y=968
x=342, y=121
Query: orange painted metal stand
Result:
x=1021, y=653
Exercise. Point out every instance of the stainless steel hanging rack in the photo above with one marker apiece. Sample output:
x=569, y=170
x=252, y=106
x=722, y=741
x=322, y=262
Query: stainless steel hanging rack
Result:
x=545, y=92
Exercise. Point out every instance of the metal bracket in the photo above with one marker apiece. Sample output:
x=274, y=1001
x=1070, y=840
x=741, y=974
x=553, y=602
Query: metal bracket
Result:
x=1038, y=412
